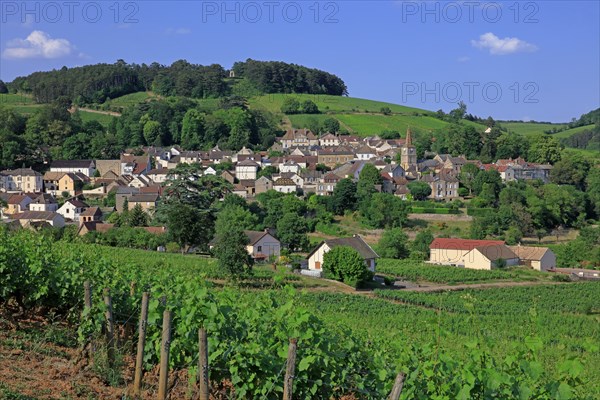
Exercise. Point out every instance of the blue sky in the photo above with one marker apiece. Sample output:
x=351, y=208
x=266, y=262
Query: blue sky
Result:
x=511, y=60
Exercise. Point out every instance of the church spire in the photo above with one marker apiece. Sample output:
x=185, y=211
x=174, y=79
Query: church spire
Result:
x=408, y=142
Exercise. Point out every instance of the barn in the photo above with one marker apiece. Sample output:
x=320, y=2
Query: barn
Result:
x=539, y=258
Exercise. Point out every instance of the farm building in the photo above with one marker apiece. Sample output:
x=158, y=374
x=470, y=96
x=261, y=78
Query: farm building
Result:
x=315, y=258
x=489, y=257
x=262, y=245
x=540, y=258
x=448, y=251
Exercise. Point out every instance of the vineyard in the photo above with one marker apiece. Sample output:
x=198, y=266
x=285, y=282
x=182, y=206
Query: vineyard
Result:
x=421, y=272
x=348, y=345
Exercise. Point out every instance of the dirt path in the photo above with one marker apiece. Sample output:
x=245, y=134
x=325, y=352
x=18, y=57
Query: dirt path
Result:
x=112, y=113
x=441, y=217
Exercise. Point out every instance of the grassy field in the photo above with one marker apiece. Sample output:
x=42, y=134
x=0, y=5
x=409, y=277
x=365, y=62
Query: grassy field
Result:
x=19, y=103
x=365, y=124
x=131, y=99
x=528, y=128
x=326, y=103
x=571, y=132
x=90, y=116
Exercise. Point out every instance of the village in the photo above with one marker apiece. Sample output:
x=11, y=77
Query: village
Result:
x=299, y=163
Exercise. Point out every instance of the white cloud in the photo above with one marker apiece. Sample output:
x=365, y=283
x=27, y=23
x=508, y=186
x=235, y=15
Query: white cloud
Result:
x=463, y=59
x=38, y=45
x=504, y=46
x=178, y=31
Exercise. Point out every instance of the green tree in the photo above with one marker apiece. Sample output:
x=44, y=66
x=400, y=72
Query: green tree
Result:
x=478, y=229
x=513, y=235
x=152, y=133
x=592, y=183
x=385, y=211
x=137, y=216
x=309, y=107
x=240, y=128
x=344, y=264
x=230, y=245
x=492, y=177
x=467, y=176
x=393, y=244
x=511, y=145
x=487, y=196
x=192, y=130
x=3, y=87
x=385, y=110
x=238, y=216
x=419, y=248
x=571, y=171
x=189, y=205
x=344, y=197
x=292, y=230
x=459, y=112
x=290, y=106
x=368, y=177
x=331, y=125
x=419, y=190
x=545, y=149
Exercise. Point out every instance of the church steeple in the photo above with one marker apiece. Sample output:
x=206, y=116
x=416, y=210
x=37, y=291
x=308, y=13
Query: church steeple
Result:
x=408, y=142
x=408, y=155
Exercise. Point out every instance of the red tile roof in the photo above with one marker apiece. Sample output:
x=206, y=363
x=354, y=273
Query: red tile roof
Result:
x=461, y=244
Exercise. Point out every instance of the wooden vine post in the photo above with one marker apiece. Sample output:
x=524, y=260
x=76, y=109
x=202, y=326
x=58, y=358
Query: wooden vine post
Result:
x=110, y=327
x=164, y=356
x=203, y=363
x=139, y=360
x=290, y=370
x=87, y=308
x=398, y=384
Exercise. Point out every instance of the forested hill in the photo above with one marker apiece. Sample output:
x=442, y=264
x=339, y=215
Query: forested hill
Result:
x=99, y=82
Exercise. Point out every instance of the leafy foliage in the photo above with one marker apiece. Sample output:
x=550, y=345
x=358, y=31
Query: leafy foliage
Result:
x=345, y=264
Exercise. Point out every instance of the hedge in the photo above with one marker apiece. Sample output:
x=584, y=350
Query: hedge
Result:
x=479, y=212
x=423, y=210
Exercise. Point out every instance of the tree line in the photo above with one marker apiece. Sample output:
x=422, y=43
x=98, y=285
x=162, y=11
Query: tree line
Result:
x=100, y=82
x=280, y=77
x=52, y=132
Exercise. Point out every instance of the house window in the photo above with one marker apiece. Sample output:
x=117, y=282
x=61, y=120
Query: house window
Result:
x=259, y=249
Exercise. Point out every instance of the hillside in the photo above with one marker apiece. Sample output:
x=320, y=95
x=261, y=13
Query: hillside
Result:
x=530, y=128
x=357, y=116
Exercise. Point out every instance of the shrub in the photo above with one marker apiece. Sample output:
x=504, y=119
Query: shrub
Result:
x=346, y=265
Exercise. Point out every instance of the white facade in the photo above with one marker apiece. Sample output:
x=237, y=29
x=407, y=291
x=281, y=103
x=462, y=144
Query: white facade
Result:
x=70, y=211
x=43, y=207
x=289, y=167
x=87, y=171
x=245, y=171
x=267, y=246
x=315, y=260
x=475, y=259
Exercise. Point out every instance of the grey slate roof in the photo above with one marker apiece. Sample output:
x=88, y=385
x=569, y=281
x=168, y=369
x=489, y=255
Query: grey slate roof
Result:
x=356, y=242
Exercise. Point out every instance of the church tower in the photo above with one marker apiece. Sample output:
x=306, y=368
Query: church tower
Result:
x=408, y=157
